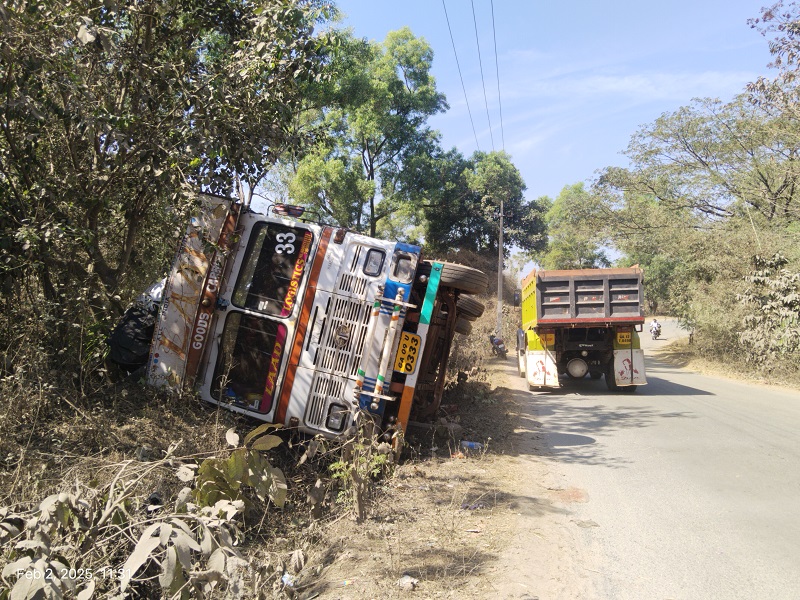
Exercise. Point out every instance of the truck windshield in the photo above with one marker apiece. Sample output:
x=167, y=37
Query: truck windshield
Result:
x=247, y=363
x=273, y=269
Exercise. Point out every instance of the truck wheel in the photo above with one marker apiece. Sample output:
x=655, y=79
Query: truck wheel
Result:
x=611, y=381
x=459, y=277
x=469, y=308
x=463, y=326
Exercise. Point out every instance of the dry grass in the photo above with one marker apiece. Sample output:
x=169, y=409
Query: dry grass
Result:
x=58, y=434
x=682, y=354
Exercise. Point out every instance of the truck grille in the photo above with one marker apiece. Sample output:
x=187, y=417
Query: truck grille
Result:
x=342, y=340
x=324, y=388
x=353, y=284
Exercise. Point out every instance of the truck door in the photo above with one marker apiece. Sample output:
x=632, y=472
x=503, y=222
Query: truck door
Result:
x=256, y=317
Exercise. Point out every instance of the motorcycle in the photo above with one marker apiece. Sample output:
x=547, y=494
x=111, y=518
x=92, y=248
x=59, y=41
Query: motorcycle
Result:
x=655, y=331
x=498, y=347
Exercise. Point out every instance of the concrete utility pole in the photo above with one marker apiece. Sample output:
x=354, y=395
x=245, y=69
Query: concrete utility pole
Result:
x=499, y=330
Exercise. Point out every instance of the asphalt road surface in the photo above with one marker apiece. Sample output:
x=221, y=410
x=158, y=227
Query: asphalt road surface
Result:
x=688, y=488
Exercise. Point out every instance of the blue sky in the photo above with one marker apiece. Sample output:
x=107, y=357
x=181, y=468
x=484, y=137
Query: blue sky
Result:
x=577, y=79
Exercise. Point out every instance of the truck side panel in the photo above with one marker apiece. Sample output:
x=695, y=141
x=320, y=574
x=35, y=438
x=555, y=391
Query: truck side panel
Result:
x=172, y=340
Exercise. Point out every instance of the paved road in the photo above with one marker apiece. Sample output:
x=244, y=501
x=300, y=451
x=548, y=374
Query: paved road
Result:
x=687, y=489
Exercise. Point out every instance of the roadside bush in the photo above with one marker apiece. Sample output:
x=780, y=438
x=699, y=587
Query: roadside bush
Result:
x=771, y=326
x=110, y=538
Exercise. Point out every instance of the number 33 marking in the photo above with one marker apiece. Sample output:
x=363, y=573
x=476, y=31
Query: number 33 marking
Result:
x=285, y=243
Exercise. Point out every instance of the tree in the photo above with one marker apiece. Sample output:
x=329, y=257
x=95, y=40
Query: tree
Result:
x=382, y=102
x=332, y=188
x=111, y=115
x=718, y=160
x=573, y=241
x=779, y=24
x=463, y=210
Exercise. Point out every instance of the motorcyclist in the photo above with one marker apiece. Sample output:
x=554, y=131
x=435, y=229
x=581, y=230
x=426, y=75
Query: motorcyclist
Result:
x=655, y=326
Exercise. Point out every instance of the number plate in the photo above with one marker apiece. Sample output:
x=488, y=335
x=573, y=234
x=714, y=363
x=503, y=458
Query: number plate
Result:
x=407, y=353
x=623, y=337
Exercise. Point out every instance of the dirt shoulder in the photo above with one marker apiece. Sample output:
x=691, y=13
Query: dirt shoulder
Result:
x=488, y=524
x=675, y=348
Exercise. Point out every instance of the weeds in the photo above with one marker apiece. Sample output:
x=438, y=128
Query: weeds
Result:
x=80, y=542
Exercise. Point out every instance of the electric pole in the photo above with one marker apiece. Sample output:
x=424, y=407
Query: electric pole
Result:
x=499, y=330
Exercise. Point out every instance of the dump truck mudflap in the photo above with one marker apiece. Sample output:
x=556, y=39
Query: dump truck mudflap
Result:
x=629, y=367
x=541, y=369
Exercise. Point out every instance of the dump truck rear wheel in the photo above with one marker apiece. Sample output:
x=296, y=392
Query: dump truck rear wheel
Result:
x=611, y=381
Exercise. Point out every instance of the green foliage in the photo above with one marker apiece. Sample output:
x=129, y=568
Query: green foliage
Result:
x=463, y=210
x=574, y=235
x=244, y=470
x=377, y=108
x=363, y=458
x=333, y=188
x=771, y=333
x=118, y=112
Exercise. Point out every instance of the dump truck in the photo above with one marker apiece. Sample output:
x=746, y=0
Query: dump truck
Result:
x=299, y=323
x=582, y=322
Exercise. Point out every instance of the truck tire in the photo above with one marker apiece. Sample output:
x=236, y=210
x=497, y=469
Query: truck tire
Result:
x=459, y=277
x=463, y=326
x=469, y=308
x=611, y=381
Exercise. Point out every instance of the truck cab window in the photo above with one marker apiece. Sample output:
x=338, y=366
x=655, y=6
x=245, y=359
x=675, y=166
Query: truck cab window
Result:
x=248, y=360
x=373, y=263
x=273, y=269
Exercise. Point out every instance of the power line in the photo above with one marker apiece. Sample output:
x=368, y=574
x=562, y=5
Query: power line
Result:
x=463, y=87
x=483, y=82
x=497, y=69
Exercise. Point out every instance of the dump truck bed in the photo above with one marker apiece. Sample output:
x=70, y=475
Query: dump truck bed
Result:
x=586, y=296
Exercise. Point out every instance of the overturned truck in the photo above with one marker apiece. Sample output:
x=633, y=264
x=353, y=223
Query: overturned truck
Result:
x=301, y=324
x=582, y=322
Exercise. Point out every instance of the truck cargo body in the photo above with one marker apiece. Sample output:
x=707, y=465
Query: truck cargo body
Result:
x=304, y=324
x=582, y=322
